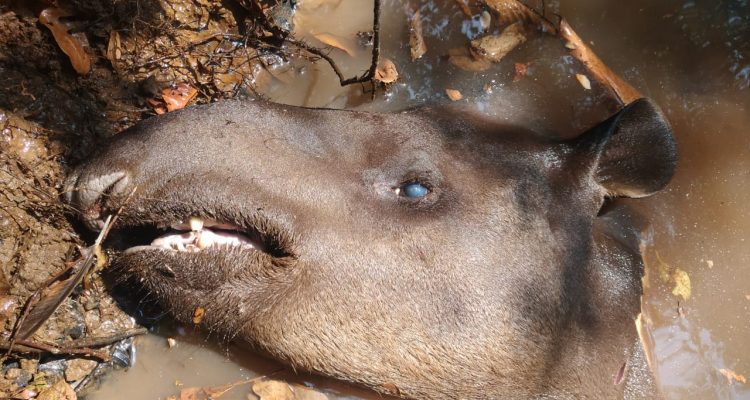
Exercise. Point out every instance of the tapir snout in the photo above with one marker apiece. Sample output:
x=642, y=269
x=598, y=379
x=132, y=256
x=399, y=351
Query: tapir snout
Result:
x=428, y=254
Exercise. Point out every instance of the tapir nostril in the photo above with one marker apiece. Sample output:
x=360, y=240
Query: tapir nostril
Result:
x=88, y=194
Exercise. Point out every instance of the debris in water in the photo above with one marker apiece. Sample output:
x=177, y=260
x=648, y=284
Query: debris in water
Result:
x=584, y=81
x=336, y=42
x=416, y=40
x=386, y=72
x=732, y=376
x=682, y=285
x=453, y=94
x=521, y=70
x=171, y=342
x=495, y=47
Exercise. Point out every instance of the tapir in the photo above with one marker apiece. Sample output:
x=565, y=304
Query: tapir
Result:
x=429, y=254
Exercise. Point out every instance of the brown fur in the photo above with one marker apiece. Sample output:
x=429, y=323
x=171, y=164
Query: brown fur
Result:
x=502, y=283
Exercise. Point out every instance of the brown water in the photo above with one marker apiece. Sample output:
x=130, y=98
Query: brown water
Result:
x=692, y=57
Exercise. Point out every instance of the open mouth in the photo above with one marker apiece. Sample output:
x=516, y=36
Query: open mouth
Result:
x=196, y=235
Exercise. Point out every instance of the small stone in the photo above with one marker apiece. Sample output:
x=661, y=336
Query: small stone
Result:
x=78, y=368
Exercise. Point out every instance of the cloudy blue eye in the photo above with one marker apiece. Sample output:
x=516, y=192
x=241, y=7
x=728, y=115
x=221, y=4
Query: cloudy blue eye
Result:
x=414, y=190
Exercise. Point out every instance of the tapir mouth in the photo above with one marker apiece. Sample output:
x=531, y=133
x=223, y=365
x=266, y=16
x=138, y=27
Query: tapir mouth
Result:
x=196, y=234
x=200, y=234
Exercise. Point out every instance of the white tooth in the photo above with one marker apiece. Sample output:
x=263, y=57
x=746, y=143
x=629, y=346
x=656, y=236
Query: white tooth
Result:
x=204, y=241
x=196, y=224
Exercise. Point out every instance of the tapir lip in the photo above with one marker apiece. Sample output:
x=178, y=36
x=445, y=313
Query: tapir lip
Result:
x=137, y=230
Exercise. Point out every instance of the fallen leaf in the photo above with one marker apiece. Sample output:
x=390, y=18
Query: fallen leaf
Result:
x=682, y=285
x=462, y=58
x=178, y=96
x=273, y=390
x=521, y=69
x=495, y=47
x=584, y=81
x=71, y=45
x=510, y=11
x=198, y=315
x=453, y=94
x=732, y=376
x=171, y=342
x=61, y=390
x=386, y=71
x=158, y=105
x=337, y=42
x=416, y=40
x=114, y=46
x=621, y=90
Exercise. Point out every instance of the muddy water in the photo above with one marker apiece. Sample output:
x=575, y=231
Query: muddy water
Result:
x=693, y=58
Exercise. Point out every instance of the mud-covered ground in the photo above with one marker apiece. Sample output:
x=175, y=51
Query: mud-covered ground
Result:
x=69, y=80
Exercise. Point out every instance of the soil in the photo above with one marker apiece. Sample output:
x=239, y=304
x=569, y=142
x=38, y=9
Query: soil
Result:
x=52, y=117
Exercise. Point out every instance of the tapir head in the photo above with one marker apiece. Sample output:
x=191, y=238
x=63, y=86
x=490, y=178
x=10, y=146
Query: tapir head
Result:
x=428, y=253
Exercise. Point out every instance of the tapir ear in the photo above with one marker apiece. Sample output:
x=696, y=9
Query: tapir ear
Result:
x=633, y=153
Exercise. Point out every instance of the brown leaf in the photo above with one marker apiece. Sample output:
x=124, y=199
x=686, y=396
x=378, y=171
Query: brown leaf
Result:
x=495, y=47
x=158, y=105
x=510, y=11
x=732, y=376
x=114, y=46
x=273, y=390
x=521, y=70
x=453, y=94
x=337, y=42
x=584, y=81
x=69, y=44
x=601, y=73
x=462, y=58
x=386, y=71
x=198, y=315
x=178, y=96
x=416, y=40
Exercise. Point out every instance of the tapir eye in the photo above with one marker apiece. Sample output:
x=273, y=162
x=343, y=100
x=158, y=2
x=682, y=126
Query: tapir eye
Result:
x=413, y=190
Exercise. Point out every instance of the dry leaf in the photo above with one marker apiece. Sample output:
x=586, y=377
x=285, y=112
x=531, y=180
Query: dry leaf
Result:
x=521, y=69
x=273, y=390
x=178, y=96
x=584, y=81
x=416, y=40
x=732, y=376
x=601, y=73
x=495, y=47
x=114, y=47
x=198, y=315
x=158, y=105
x=453, y=94
x=71, y=45
x=337, y=42
x=682, y=286
x=462, y=58
x=510, y=11
x=386, y=71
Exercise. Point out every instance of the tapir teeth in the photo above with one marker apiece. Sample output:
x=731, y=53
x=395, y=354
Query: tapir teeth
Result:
x=200, y=234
